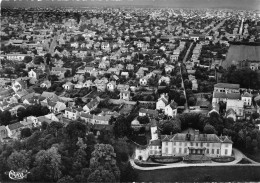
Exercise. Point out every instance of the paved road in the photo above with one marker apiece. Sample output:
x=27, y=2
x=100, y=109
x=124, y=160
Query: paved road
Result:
x=182, y=82
x=238, y=155
x=241, y=26
x=216, y=27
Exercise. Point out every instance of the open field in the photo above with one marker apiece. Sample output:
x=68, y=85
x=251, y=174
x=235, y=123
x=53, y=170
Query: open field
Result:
x=241, y=52
x=191, y=174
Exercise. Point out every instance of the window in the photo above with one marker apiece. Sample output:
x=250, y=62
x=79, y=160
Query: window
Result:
x=174, y=143
x=226, y=145
x=180, y=143
x=166, y=150
x=185, y=150
x=207, y=144
x=207, y=151
x=217, y=151
x=166, y=143
x=185, y=144
x=191, y=144
x=226, y=151
x=197, y=144
x=180, y=150
x=212, y=151
x=173, y=150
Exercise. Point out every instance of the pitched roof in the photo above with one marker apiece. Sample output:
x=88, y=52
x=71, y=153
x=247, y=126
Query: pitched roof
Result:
x=227, y=85
x=102, y=118
x=155, y=143
x=173, y=105
x=212, y=138
x=87, y=115
x=93, y=102
x=246, y=94
x=15, y=126
x=230, y=111
x=149, y=111
x=226, y=95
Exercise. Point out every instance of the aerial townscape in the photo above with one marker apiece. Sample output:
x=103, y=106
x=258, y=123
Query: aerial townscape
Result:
x=129, y=93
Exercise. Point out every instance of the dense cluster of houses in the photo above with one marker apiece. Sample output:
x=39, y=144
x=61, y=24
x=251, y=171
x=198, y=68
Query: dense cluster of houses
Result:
x=112, y=43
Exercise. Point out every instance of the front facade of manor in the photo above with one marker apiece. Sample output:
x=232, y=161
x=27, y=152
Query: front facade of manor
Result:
x=182, y=144
x=185, y=144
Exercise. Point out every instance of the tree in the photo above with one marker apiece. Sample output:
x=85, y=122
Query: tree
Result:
x=26, y=132
x=143, y=119
x=255, y=115
x=67, y=73
x=209, y=129
x=122, y=127
x=191, y=101
x=6, y=117
x=21, y=113
x=101, y=176
x=103, y=164
x=19, y=161
x=45, y=110
x=66, y=179
x=47, y=165
x=27, y=59
x=76, y=129
x=38, y=60
x=54, y=128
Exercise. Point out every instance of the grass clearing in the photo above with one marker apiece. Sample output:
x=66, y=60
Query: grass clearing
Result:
x=191, y=174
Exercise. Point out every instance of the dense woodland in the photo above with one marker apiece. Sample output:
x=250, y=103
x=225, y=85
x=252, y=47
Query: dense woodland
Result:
x=66, y=154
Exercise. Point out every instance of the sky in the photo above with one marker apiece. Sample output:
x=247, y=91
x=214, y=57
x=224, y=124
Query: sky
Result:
x=236, y=4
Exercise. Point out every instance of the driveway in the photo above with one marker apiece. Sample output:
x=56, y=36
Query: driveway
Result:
x=238, y=157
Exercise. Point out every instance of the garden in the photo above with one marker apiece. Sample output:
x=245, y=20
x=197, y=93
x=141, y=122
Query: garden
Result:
x=167, y=159
x=226, y=159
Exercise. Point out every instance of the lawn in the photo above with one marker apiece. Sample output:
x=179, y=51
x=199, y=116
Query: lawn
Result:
x=191, y=174
x=255, y=156
x=241, y=52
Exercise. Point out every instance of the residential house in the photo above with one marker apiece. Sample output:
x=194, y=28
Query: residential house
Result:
x=102, y=120
x=125, y=74
x=30, y=122
x=14, y=130
x=122, y=87
x=222, y=97
x=105, y=46
x=230, y=113
x=226, y=88
x=91, y=105
x=247, y=98
x=162, y=102
x=56, y=107
x=125, y=95
x=237, y=106
x=148, y=112
x=111, y=86
x=34, y=73
x=19, y=85
x=164, y=79
x=3, y=133
x=72, y=113
x=140, y=73
x=130, y=67
x=45, y=84
x=143, y=81
x=171, y=109
x=88, y=84
x=168, y=68
x=68, y=86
